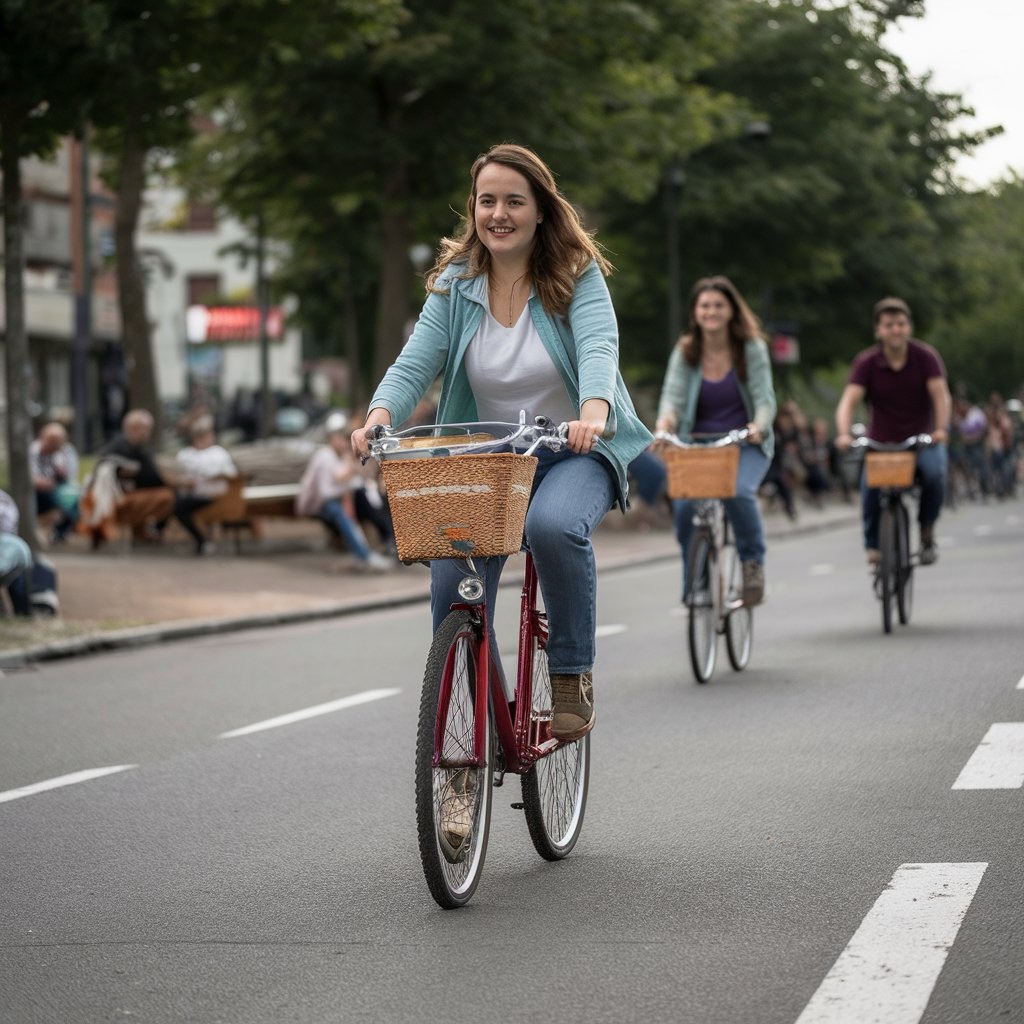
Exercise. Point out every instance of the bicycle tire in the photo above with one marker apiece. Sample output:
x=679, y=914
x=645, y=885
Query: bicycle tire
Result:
x=555, y=788
x=452, y=871
x=700, y=599
x=739, y=621
x=887, y=565
x=905, y=571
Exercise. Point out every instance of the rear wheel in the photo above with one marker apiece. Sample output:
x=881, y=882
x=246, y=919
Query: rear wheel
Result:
x=905, y=570
x=739, y=622
x=887, y=565
x=701, y=603
x=555, y=788
x=453, y=797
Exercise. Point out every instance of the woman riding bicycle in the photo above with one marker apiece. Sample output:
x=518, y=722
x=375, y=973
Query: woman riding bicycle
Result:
x=904, y=383
x=718, y=379
x=518, y=317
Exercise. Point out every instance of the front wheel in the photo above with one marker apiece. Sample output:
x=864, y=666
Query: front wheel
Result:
x=700, y=598
x=905, y=570
x=453, y=795
x=555, y=788
x=739, y=622
x=887, y=565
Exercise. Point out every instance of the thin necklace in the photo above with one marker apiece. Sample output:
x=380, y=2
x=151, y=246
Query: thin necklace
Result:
x=512, y=294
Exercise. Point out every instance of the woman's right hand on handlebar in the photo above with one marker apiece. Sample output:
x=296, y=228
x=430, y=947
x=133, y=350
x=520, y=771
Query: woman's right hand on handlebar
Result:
x=360, y=441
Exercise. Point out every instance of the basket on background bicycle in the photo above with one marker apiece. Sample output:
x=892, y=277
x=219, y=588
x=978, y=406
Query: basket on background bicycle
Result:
x=697, y=472
x=458, y=506
x=889, y=469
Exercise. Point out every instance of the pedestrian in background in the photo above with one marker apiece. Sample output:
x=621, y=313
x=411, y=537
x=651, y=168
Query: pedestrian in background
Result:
x=201, y=473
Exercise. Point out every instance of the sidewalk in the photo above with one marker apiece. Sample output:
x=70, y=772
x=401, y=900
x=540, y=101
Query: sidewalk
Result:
x=117, y=598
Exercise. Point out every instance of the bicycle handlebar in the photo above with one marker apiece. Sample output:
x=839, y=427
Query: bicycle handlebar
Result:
x=910, y=443
x=464, y=438
x=704, y=440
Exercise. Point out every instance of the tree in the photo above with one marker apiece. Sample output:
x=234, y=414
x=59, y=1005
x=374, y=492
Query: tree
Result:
x=601, y=89
x=44, y=62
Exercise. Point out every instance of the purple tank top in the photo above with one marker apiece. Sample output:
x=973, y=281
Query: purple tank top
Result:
x=720, y=406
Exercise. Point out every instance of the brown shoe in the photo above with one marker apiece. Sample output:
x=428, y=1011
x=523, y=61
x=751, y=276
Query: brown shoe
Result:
x=873, y=554
x=457, y=806
x=573, y=699
x=753, y=583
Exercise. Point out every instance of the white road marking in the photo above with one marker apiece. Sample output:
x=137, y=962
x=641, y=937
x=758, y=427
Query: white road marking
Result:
x=887, y=972
x=63, y=780
x=610, y=630
x=824, y=569
x=313, y=712
x=984, y=530
x=1020, y=685
x=998, y=762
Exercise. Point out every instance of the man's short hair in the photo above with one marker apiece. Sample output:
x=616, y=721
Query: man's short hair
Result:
x=891, y=305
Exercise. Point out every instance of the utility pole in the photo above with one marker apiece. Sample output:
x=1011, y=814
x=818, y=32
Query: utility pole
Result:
x=82, y=261
x=262, y=301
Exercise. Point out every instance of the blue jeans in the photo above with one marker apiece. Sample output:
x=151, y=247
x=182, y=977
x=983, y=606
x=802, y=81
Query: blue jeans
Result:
x=742, y=509
x=648, y=474
x=571, y=495
x=930, y=474
x=335, y=515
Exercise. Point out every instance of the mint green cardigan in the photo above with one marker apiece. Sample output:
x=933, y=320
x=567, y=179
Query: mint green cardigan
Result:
x=584, y=346
x=681, y=389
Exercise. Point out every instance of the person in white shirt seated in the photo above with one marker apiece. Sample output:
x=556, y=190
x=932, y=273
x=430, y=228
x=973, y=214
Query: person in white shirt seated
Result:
x=200, y=471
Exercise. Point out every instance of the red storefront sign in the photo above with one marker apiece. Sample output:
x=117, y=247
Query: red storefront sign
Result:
x=216, y=324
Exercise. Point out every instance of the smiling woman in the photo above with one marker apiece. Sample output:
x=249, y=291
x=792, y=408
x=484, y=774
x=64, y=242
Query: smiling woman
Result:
x=518, y=319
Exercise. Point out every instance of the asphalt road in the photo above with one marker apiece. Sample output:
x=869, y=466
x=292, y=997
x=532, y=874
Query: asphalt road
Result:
x=796, y=842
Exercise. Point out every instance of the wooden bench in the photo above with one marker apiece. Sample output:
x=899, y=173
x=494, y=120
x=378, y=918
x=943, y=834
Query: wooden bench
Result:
x=243, y=505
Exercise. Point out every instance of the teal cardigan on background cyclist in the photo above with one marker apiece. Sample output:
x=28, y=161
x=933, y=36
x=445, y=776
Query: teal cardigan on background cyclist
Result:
x=719, y=378
x=518, y=317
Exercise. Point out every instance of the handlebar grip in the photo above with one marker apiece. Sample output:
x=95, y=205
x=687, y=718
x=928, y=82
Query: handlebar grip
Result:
x=375, y=433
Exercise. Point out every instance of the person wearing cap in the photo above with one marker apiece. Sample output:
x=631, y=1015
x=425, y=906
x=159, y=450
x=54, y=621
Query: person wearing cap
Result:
x=327, y=489
x=201, y=472
x=903, y=380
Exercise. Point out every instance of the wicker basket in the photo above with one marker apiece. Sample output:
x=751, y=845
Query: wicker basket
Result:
x=889, y=469
x=701, y=472
x=459, y=505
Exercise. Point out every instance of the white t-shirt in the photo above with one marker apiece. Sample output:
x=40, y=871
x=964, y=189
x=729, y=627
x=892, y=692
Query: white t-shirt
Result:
x=509, y=369
x=199, y=466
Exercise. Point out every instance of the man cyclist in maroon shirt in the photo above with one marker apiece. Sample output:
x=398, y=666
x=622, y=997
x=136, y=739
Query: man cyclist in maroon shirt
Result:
x=903, y=382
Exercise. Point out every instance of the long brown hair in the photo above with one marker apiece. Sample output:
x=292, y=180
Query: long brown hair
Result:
x=562, y=247
x=743, y=324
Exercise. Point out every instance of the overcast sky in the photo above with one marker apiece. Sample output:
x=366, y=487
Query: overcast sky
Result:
x=974, y=48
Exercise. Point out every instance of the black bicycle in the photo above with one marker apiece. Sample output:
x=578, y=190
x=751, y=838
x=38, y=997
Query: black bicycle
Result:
x=890, y=468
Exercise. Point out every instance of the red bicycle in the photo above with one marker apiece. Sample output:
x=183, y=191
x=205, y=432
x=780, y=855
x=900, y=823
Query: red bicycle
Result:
x=471, y=733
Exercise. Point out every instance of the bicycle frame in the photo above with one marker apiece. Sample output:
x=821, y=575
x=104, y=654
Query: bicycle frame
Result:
x=522, y=742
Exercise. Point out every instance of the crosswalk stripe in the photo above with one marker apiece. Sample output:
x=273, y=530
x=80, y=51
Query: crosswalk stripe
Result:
x=998, y=761
x=889, y=969
x=63, y=780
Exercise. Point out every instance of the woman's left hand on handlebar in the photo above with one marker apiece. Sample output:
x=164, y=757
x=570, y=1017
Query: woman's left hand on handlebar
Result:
x=754, y=435
x=583, y=434
x=940, y=436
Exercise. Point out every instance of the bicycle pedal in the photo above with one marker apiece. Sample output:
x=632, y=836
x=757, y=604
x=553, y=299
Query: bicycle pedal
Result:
x=518, y=806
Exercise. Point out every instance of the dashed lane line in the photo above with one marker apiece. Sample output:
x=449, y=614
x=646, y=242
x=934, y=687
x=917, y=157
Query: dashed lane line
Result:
x=311, y=712
x=889, y=968
x=998, y=761
x=63, y=780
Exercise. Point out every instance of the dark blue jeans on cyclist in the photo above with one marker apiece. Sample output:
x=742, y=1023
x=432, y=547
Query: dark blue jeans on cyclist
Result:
x=932, y=467
x=571, y=495
x=742, y=510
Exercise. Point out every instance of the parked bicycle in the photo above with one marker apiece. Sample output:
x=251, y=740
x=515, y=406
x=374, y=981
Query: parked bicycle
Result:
x=704, y=469
x=890, y=468
x=456, y=491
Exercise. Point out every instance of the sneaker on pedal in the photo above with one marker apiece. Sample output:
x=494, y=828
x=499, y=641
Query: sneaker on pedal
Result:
x=455, y=814
x=753, y=583
x=572, y=714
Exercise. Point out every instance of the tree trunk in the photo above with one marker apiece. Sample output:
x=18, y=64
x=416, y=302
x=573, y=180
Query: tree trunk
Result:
x=395, y=270
x=353, y=349
x=131, y=286
x=19, y=371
